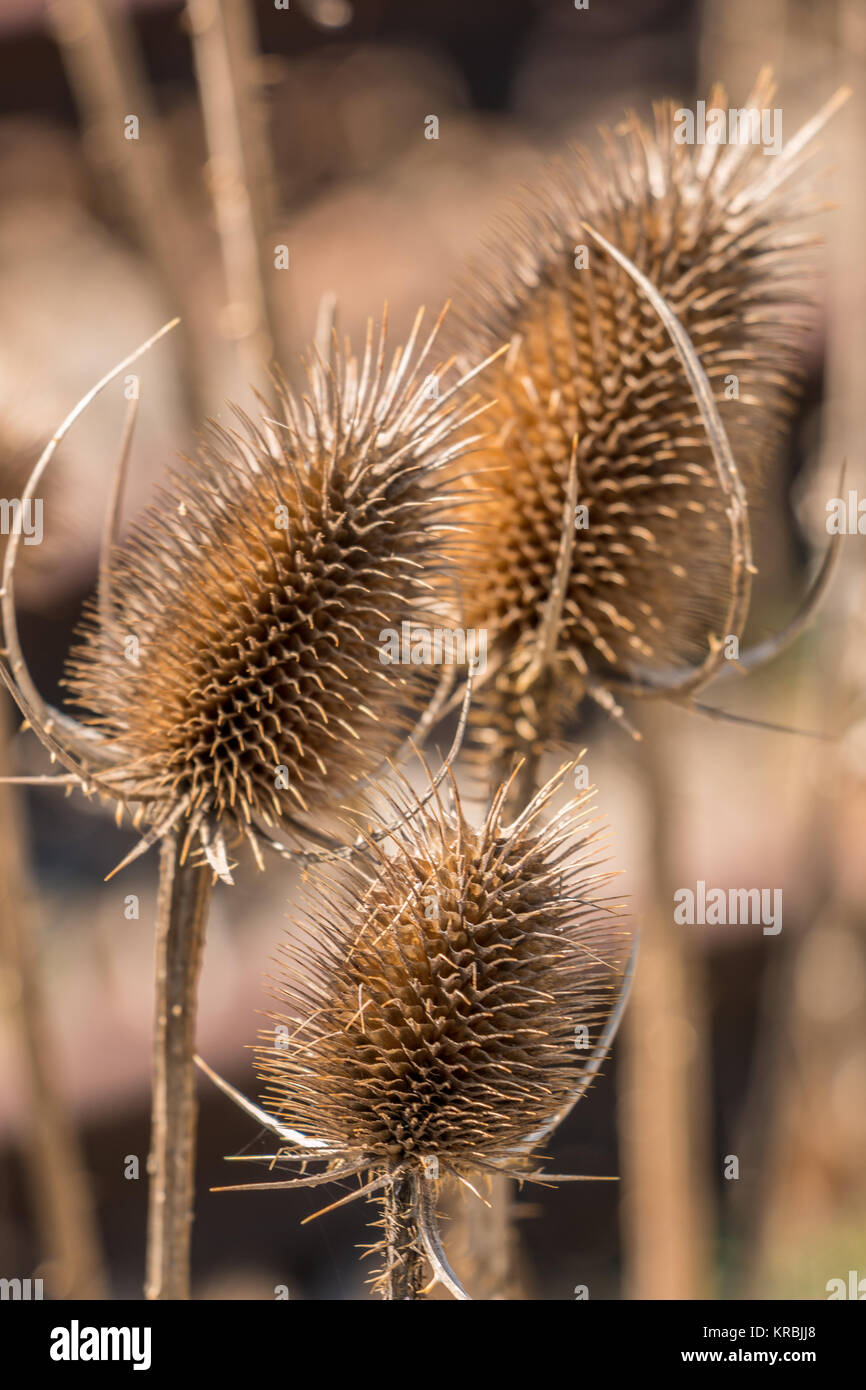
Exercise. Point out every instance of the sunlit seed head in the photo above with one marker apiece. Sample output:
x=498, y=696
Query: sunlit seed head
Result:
x=239, y=674
x=722, y=232
x=448, y=1008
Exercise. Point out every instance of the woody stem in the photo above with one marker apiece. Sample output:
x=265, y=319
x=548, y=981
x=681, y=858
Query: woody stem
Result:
x=184, y=896
x=405, y=1264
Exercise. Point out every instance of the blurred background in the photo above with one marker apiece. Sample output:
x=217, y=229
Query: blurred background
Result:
x=736, y=1044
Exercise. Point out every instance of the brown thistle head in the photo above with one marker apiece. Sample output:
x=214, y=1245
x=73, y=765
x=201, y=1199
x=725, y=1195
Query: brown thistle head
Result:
x=439, y=1018
x=235, y=673
x=600, y=444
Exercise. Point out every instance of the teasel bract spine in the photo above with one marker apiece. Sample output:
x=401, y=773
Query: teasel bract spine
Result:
x=443, y=1011
x=231, y=664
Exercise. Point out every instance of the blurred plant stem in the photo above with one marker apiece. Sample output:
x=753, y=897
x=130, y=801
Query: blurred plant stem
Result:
x=241, y=176
x=184, y=897
x=664, y=1099
x=62, y=1199
x=485, y=1242
x=99, y=46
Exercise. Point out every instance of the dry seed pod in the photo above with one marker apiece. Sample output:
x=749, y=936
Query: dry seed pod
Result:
x=600, y=445
x=439, y=1018
x=232, y=668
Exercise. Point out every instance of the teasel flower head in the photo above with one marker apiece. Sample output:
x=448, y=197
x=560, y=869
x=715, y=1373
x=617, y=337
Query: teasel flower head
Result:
x=656, y=307
x=231, y=672
x=439, y=1016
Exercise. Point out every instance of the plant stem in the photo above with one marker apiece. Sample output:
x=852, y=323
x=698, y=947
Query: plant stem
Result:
x=62, y=1197
x=664, y=1121
x=528, y=750
x=240, y=172
x=100, y=50
x=184, y=895
x=405, y=1263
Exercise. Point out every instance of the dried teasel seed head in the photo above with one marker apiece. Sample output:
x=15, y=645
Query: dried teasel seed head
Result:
x=442, y=1015
x=239, y=679
x=720, y=230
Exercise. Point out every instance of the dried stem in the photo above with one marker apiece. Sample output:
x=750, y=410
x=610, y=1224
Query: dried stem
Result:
x=664, y=1116
x=61, y=1192
x=527, y=781
x=240, y=174
x=485, y=1243
x=184, y=895
x=99, y=48
x=404, y=1271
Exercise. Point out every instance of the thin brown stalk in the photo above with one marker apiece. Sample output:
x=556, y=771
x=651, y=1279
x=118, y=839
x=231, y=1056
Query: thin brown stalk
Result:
x=404, y=1270
x=527, y=781
x=241, y=176
x=100, y=51
x=184, y=895
x=62, y=1198
x=664, y=1118
x=485, y=1242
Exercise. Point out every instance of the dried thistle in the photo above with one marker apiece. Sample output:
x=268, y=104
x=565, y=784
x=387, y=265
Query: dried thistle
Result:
x=657, y=316
x=433, y=1030
x=230, y=669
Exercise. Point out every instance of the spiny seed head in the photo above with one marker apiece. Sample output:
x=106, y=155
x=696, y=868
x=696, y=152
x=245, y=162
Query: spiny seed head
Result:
x=718, y=230
x=239, y=672
x=437, y=1011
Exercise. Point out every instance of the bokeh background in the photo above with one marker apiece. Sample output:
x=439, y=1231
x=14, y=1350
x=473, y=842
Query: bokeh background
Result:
x=736, y=1044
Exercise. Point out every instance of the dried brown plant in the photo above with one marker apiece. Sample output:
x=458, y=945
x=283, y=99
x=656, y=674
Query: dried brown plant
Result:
x=657, y=308
x=440, y=1015
x=231, y=667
